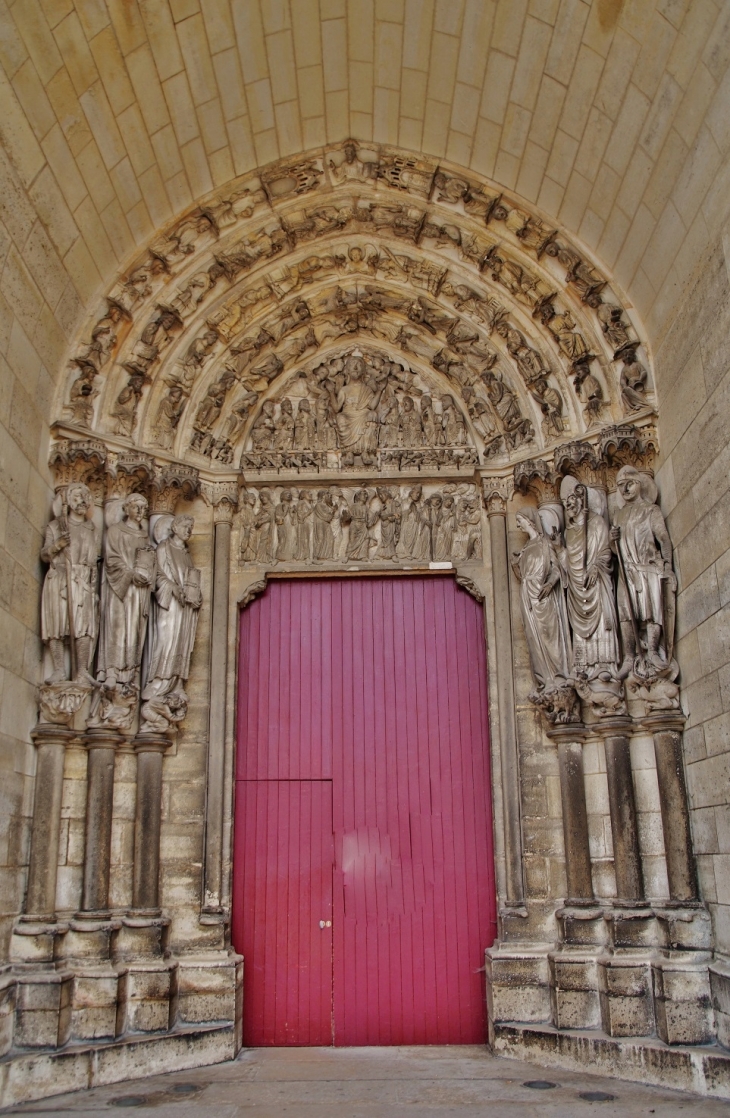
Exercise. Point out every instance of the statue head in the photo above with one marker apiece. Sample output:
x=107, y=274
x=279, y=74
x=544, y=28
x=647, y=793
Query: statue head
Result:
x=135, y=507
x=415, y=492
x=182, y=527
x=286, y=406
x=575, y=502
x=634, y=485
x=78, y=498
x=528, y=521
x=408, y=404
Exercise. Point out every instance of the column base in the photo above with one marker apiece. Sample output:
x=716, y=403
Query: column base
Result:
x=141, y=937
x=35, y=943
x=685, y=927
x=582, y=925
x=89, y=937
x=632, y=928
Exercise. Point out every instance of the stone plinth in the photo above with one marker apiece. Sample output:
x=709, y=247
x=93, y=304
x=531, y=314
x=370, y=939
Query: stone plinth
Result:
x=145, y=998
x=43, y=1010
x=683, y=1002
x=574, y=987
x=518, y=984
x=627, y=1004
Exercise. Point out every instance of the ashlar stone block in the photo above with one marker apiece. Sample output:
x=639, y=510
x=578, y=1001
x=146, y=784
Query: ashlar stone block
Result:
x=627, y=1004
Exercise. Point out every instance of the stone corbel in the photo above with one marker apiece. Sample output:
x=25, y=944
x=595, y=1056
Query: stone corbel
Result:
x=537, y=478
x=583, y=461
x=497, y=491
x=77, y=460
x=127, y=472
x=222, y=496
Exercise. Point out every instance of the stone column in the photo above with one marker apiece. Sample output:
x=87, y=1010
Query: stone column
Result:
x=150, y=749
x=624, y=829
x=666, y=728
x=496, y=503
x=224, y=502
x=569, y=739
x=101, y=744
x=50, y=743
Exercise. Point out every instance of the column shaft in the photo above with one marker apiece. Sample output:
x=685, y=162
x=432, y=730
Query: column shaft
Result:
x=46, y=827
x=681, y=869
x=147, y=821
x=575, y=819
x=212, y=894
x=99, y=804
x=506, y=696
x=624, y=828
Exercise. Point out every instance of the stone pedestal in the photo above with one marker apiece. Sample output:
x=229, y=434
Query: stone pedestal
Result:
x=626, y=991
x=207, y=989
x=582, y=926
x=569, y=740
x=150, y=749
x=683, y=1002
x=632, y=928
x=624, y=829
x=141, y=937
x=145, y=998
x=43, y=1009
x=101, y=744
x=8, y=995
x=667, y=728
x=94, y=1003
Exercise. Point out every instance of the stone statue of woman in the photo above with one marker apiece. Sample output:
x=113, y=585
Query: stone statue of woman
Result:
x=70, y=603
x=129, y=573
x=542, y=602
x=175, y=605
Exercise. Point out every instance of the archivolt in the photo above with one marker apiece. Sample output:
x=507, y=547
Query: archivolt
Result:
x=368, y=245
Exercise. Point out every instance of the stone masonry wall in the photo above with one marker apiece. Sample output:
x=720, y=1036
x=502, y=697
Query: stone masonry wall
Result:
x=693, y=380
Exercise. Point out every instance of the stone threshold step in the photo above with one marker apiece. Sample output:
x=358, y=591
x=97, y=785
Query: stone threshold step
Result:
x=704, y=1069
x=27, y=1076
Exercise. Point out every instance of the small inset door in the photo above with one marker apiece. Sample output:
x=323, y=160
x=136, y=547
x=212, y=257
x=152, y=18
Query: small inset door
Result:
x=285, y=895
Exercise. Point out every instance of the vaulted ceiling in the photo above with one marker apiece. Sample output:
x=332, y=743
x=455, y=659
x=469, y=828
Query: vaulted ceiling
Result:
x=612, y=117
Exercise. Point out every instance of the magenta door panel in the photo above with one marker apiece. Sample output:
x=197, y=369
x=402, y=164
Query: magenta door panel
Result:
x=380, y=685
x=282, y=895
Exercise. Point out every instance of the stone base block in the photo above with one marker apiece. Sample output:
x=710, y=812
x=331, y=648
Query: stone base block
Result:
x=88, y=940
x=140, y=938
x=582, y=926
x=632, y=927
x=144, y=998
x=648, y=1060
x=518, y=985
x=30, y=1076
x=575, y=995
x=43, y=1009
x=94, y=1003
x=34, y=944
x=685, y=929
x=627, y=1003
x=8, y=995
x=682, y=1002
x=205, y=989
x=719, y=972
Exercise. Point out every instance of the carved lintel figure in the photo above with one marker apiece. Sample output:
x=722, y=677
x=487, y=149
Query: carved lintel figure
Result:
x=129, y=574
x=586, y=561
x=340, y=521
x=542, y=603
x=647, y=585
x=175, y=607
x=247, y=519
x=414, y=539
x=444, y=528
x=286, y=534
x=324, y=540
x=390, y=522
x=303, y=515
x=70, y=604
x=468, y=534
x=264, y=525
x=361, y=521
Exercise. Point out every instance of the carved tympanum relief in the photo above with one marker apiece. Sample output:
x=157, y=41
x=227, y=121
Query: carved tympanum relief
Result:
x=597, y=587
x=413, y=524
x=477, y=275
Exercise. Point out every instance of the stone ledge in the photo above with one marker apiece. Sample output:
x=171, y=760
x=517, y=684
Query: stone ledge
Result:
x=703, y=1070
x=38, y=1075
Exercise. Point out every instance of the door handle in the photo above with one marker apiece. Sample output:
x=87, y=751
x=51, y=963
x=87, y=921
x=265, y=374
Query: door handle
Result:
x=325, y=923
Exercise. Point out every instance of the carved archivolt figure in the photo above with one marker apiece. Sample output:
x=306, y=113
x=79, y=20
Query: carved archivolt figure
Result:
x=124, y=409
x=647, y=585
x=176, y=602
x=543, y=603
x=70, y=605
x=169, y=412
x=586, y=564
x=452, y=421
x=129, y=573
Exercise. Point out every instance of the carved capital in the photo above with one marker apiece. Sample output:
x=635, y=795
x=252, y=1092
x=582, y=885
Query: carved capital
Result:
x=580, y=460
x=77, y=460
x=538, y=478
x=626, y=445
x=170, y=483
x=222, y=496
x=127, y=472
x=496, y=492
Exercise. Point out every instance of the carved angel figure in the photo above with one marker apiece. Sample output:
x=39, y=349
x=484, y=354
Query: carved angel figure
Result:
x=70, y=604
x=542, y=602
x=175, y=605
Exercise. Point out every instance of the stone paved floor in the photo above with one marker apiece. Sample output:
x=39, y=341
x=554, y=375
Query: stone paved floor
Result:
x=454, y=1082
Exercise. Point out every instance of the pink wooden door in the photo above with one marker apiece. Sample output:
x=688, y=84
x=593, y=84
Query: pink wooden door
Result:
x=378, y=685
